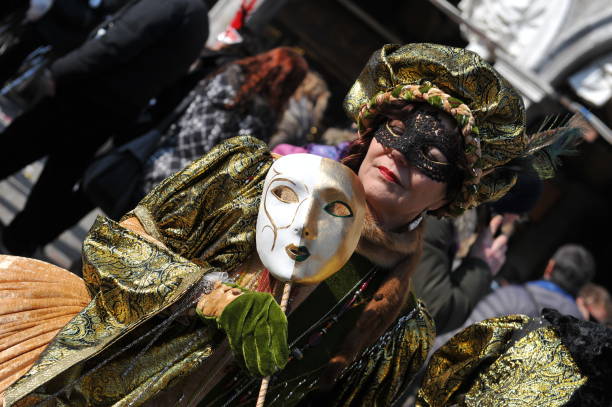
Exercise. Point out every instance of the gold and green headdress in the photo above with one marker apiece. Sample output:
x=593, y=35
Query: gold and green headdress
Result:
x=489, y=112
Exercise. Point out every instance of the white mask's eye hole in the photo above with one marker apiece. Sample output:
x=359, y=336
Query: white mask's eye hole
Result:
x=339, y=209
x=285, y=194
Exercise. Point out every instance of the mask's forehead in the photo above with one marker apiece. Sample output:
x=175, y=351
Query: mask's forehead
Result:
x=337, y=179
x=299, y=168
x=318, y=174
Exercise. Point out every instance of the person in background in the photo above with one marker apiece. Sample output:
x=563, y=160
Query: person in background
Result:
x=95, y=90
x=302, y=120
x=595, y=303
x=568, y=270
x=61, y=24
x=245, y=97
x=451, y=285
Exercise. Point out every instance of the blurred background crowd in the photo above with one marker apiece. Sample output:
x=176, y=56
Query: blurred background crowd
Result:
x=100, y=100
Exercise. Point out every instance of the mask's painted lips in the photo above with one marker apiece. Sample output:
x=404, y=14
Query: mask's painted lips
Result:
x=297, y=253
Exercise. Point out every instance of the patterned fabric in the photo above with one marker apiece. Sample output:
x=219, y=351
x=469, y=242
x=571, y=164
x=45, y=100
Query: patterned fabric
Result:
x=507, y=361
x=208, y=121
x=206, y=213
x=496, y=107
x=388, y=366
x=214, y=200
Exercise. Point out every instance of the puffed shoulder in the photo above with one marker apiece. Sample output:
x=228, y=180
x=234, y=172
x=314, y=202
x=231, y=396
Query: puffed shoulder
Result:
x=215, y=199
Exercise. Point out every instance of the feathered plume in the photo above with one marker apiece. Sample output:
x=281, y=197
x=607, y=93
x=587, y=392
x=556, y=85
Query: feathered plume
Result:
x=547, y=146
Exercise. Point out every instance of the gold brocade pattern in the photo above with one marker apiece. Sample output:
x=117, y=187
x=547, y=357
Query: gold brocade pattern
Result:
x=482, y=366
x=389, y=365
x=537, y=371
x=497, y=108
x=207, y=210
x=207, y=213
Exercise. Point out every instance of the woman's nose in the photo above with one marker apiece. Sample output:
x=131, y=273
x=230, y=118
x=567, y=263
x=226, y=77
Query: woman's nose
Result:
x=309, y=232
x=399, y=158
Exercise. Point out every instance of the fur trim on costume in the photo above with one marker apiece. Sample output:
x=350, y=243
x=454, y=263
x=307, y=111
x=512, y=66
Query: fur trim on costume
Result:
x=385, y=248
x=399, y=252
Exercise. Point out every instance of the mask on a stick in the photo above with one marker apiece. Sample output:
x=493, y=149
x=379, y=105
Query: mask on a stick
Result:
x=310, y=218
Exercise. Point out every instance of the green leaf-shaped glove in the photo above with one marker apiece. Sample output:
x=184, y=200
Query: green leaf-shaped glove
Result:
x=256, y=328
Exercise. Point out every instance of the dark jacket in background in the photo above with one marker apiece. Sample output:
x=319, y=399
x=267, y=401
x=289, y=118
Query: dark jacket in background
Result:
x=146, y=47
x=65, y=26
x=450, y=295
x=101, y=87
x=68, y=23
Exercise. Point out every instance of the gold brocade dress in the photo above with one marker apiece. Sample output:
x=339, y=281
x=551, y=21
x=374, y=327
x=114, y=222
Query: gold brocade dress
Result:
x=137, y=342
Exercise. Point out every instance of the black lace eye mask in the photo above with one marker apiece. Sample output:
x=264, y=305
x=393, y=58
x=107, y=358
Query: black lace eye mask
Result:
x=424, y=130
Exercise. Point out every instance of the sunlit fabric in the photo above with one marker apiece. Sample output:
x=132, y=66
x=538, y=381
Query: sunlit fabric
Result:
x=513, y=360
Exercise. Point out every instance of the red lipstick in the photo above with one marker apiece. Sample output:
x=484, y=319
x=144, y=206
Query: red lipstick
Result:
x=388, y=175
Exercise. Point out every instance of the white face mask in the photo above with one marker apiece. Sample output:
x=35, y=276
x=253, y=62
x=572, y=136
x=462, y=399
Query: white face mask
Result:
x=310, y=218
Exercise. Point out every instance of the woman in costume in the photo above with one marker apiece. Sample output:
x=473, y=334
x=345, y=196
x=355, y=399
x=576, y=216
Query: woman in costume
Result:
x=312, y=213
x=436, y=126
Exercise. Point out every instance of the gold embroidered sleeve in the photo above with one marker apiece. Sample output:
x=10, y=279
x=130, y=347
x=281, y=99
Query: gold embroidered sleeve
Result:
x=487, y=364
x=134, y=280
x=207, y=211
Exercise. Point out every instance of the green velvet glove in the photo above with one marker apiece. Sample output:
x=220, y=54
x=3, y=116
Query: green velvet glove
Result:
x=256, y=328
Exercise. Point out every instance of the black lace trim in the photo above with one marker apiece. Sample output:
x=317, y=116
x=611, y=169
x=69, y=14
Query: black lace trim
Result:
x=591, y=347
